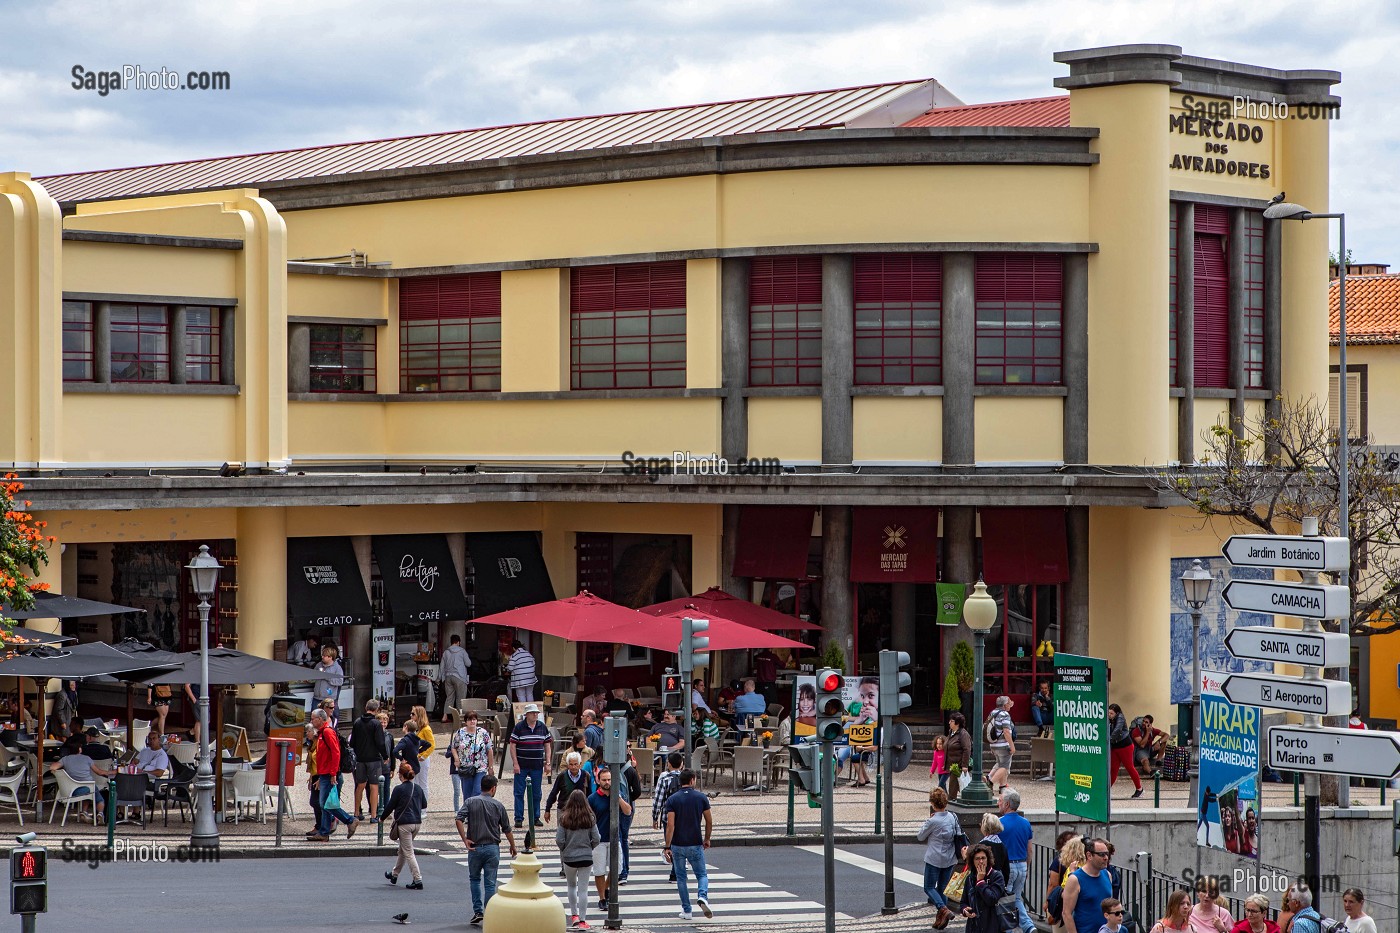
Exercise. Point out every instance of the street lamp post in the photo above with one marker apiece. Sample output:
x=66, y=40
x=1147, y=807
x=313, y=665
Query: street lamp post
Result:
x=204, y=580
x=1195, y=584
x=980, y=614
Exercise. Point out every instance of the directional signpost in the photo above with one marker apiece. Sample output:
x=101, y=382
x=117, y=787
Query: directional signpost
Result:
x=1287, y=552
x=1335, y=751
x=1265, y=643
x=1306, y=601
x=1323, y=697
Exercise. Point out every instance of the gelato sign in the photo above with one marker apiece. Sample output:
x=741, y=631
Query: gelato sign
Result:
x=1209, y=137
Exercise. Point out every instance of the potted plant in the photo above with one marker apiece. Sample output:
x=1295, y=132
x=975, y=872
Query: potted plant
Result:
x=957, y=683
x=834, y=656
x=767, y=737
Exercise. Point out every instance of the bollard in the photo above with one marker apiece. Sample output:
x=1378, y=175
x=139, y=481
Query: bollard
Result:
x=1157, y=790
x=1296, y=802
x=281, y=788
x=111, y=810
x=382, y=808
x=879, y=786
x=531, y=804
x=791, y=796
x=524, y=904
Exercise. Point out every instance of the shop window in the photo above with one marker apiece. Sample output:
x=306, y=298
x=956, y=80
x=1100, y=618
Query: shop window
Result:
x=1253, y=336
x=450, y=333
x=627, y=326
x=342, y=358
x=1028, y=616
x=77, y=341
x=140, y=337
x=202, y=345
x=898, y=319
x=1212, y=294
x=1019, y=306
x=785, y=321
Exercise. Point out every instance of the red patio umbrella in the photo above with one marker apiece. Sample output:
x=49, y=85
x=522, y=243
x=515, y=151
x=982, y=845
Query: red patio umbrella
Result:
x=723, y=633
x=578, y=618
x=715, y=603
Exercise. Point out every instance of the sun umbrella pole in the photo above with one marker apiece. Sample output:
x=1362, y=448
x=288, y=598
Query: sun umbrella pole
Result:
x=39, y=757
x=130, y=734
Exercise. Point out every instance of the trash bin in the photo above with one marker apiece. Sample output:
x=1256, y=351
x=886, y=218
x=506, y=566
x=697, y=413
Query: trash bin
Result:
x=279, y=750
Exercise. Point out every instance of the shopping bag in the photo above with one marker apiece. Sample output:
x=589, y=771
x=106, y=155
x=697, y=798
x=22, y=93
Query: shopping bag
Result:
x=964, y=779
x=332, y=799
x=954, y=890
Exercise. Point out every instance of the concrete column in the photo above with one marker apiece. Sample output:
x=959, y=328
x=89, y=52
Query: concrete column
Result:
x=1235, y=264
x=101, y=342
x=359, y=641
x=457, y=547
x=228, y=328
x=179, y=326
x=837, y=604
x=959, y=566
x=298, y=358
x=1074, y=632
x=734, y=346
x=959, y=359
x=1273, y=318
x=1075, y=353
x=838, y=334
x=262, y=599
x=1186, y=331
x=902, y=617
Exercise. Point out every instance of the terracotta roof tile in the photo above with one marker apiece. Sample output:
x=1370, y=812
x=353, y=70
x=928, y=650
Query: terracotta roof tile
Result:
x=1373, y=309
x=1038, y=111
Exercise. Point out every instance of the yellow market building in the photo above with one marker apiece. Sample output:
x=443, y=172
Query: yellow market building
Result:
x=928, y=340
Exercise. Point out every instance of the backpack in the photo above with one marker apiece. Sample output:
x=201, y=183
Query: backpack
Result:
x=347, y=754
x=1333, y=925
x=1055, y=905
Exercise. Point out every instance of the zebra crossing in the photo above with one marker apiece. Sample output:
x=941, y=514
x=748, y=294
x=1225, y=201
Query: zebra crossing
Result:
x=649, y=898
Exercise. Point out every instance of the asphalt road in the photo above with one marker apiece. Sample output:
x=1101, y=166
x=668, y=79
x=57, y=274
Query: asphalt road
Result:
x=315, y=894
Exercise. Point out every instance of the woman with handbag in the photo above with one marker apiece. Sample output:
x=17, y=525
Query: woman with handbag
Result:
x=406, y=805
x=981, y=891
x=944, y=840
x=470, y=751
x=958, y=751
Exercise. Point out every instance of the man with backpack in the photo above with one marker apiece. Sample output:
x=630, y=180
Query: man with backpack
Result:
x=367, y=742
x=329, y=743
x=1001, y=734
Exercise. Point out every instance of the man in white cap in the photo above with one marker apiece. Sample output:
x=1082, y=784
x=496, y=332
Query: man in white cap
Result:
x=1001, y=733
x=531, y=748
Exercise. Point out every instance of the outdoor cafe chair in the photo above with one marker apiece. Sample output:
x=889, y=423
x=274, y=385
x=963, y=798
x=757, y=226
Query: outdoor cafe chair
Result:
x=140, y=728
x=71, y=792
x=10, y=759
x=184, y=752
x=176, y=789
x=249, y=787
x=32, y=766
x=646, y=769
x=479, y=704
x=749, y=759
x=717, y=757
x=9, y=791
x=131, y=792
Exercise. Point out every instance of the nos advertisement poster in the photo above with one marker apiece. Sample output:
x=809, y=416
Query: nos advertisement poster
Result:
x=862, y=696
x=1229, y=815
x=1081, y=737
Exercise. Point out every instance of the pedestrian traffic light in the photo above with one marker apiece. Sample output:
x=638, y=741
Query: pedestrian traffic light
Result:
x=671, y=691
x=29, y=880
x=805, y=767
x=831, y=704
x=893, y=699
x=695, y=647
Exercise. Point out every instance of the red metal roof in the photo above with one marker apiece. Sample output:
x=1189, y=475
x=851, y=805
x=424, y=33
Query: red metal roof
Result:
x=1373, y=309
x=1038, y=111
x=784, y=112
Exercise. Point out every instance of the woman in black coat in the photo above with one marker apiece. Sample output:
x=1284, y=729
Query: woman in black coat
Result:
x=985, y=886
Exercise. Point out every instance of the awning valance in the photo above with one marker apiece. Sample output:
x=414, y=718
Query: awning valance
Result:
x=894, y=544
x=324, y=585
x=421, y=583
x=510, y=570
x=1024, y=545
x=773, y=541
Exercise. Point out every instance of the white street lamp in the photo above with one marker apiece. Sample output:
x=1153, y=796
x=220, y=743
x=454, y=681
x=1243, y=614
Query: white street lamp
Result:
x=980, y=613
x=1195, y=584
x=204, y=580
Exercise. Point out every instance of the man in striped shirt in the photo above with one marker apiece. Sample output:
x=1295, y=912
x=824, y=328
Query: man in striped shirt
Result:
x=520, y=669
x=531, y=748
x=666, y=785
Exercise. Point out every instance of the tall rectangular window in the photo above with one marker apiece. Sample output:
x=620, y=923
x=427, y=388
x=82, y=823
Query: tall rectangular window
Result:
x=1171, y=295
x=140, y=343
x=77, y=341
x=898, y=319
x=785, y=321
x=1019, y=301
x=1253, y=335
x=1212, y=297
x=627, y=326
x=202, y=344
x=450, y=333
x=342, y=358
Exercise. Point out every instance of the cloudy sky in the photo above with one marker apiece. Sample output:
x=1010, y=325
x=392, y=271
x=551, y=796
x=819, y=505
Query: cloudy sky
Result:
x=316, y=72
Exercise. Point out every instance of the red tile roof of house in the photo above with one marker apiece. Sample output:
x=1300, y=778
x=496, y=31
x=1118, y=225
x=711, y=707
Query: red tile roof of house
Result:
x=1038, y=111
x=1373, y=309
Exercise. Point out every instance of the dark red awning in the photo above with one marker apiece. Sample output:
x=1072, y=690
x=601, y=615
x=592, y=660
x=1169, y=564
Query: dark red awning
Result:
x=891, y=544
x=773, y=541
x=1024, y=545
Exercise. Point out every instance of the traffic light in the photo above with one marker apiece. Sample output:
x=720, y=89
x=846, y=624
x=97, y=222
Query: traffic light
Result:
x=29, y=880
x=805, y=767
x=671, y=690
x=831, y=704
x=893, y=699
x=695, y=647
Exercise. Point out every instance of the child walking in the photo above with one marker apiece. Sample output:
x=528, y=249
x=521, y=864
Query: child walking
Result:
x=939, y=768
x=576, y=837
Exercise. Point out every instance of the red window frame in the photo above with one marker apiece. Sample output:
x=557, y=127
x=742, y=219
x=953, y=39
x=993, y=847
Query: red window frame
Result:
x=1007, y=673
x=202, y=349
x=1171, y=296
x=785, y=321
x=450, y=333
x=1211, y=359
x=898, y=319
x=343, y=358
x=1019, y=301
x=627, y=326
x=1253, y=336
x=140, y=340
x=78, y=353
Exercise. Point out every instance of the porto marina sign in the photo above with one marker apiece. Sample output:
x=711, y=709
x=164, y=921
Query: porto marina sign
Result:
x=1335, y=751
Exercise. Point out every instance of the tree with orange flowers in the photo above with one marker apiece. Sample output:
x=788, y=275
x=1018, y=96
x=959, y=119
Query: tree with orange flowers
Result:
x=23, y=549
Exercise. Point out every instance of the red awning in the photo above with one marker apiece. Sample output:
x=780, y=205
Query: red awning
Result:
x=715, y=603
x=893, y=544
x=1024, y=546
x=773, y=541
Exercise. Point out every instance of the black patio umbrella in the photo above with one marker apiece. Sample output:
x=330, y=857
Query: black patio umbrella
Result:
x=58, y=606
x=22, y=637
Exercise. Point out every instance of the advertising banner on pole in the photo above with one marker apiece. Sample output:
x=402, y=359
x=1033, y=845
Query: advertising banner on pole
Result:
x=862, y=697
x=382, y=670
x=1081, y=737
x=1230, y=811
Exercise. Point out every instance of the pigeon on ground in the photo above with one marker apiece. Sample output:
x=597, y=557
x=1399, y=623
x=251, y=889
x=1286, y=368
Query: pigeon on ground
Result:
x=401, y=918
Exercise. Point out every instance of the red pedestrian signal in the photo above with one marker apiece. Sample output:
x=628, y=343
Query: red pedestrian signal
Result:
x=29, y=864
